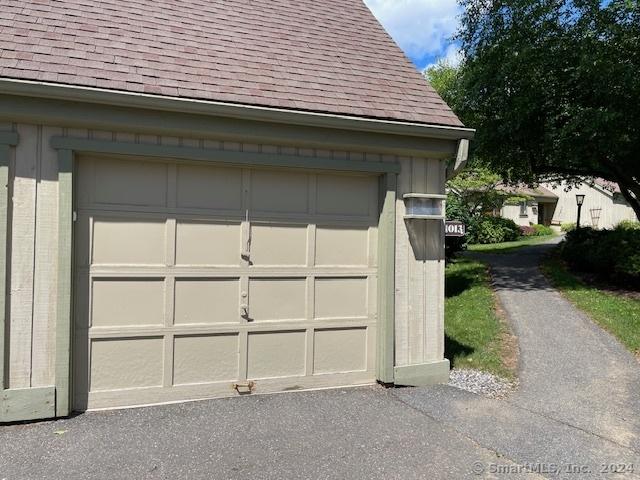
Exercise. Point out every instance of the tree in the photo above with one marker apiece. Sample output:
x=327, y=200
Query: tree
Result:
x=553, y=89
x=479, y=191
x=475, y=188
x=446, y=79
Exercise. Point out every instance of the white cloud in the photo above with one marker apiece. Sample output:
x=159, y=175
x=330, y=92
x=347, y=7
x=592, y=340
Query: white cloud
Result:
x=422, y=28
x=452, y=55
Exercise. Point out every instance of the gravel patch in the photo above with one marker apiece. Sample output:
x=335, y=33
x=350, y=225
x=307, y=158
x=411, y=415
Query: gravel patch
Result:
x=481, y=383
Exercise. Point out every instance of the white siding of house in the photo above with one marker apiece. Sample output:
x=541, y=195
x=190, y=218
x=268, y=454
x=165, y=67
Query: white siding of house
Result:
x=597, y=203
x=512, y=212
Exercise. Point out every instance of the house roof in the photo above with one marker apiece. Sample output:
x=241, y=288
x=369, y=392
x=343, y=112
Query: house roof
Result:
x=539, y=192
x=611, y=187
x=330, y=56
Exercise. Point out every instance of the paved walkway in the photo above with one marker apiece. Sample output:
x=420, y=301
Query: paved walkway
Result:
x=579, y=396
x=577, y=408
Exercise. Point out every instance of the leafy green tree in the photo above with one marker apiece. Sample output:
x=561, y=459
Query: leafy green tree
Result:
x=446, y=79
x=553, y=89
x=479, y=191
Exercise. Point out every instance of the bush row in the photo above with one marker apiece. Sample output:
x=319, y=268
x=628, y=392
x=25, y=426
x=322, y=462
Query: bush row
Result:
x=613, y=255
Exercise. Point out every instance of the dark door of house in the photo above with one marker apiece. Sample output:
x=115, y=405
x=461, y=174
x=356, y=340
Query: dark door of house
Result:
x=541, y=214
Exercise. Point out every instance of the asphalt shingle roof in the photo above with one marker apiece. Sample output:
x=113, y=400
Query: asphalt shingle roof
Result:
x=326, y=56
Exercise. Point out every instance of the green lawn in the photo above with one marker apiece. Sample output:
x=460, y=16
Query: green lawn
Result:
x=508, y=246
x=619, y=315
x=475, y=337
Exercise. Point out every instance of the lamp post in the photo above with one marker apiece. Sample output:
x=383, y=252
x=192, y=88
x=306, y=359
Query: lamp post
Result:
x=579, y=202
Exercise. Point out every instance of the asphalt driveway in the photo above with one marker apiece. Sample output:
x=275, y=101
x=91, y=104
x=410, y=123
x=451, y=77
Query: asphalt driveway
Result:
x=576, y=415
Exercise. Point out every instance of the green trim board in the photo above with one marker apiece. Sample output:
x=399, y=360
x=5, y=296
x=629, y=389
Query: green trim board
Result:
x=4, y=214
x=422, y=374
x=193, y=125
x=386, y=280
x=221, y=156
x=65, y=252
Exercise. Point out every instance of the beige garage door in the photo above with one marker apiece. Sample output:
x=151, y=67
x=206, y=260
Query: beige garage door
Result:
x=197, y=281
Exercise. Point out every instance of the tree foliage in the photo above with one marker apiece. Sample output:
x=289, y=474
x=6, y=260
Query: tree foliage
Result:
x=478, y=191
x=553, y=89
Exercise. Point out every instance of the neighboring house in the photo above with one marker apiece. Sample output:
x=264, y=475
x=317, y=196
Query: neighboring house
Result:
x=537, y=206
x=205, y=199
x=604, y=206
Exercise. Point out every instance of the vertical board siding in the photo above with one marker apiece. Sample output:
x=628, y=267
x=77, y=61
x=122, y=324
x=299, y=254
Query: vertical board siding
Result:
x=22, y=256
x=45, y=262
x=419, y=269
x=434, y=271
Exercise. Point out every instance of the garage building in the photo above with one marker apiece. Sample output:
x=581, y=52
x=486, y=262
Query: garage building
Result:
x=215, y=199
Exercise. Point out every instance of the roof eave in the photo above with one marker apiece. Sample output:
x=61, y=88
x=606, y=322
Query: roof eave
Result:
x=242, y=111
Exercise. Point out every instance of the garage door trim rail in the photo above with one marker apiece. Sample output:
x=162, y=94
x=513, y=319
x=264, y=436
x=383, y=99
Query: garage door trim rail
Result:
x=220, y=156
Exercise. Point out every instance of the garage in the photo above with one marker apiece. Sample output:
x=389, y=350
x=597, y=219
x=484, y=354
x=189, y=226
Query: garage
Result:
x=202, y=201
x=194, y=281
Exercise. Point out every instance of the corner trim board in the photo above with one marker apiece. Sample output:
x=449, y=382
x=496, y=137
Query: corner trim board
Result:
x=422, y=374
x=4, y=223
x=65, y=250
x=220, y=156
x=386, y=280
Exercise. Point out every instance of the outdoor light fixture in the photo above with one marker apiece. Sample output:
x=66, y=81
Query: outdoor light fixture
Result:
x=424, y=206
x=579, y=202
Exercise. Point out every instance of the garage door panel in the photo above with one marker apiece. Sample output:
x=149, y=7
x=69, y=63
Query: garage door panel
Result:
x=207, y=243
x=127, y=302
x=276, y=354
x=340, y=297
x=340, y=350
x=205, y=300
x=125, y=182
x=162, y=280
x=205, y=359
x=126, y=363
x=346, y=195
x=128, y=241
x=347, y=246
x=206, y=187
x=277, y=298
x=278, y=244
x=279, y=192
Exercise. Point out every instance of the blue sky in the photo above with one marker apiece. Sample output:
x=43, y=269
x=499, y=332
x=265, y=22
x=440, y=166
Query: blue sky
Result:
x=422, y=28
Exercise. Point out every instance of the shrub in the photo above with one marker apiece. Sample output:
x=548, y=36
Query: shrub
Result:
x=628, y=225
x=487, y=229
x=568, y=226
x=542, y=230
x=527, y=231
x=611, y=254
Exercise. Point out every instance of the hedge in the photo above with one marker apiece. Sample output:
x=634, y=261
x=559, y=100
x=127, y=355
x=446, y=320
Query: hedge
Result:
x=613, y=255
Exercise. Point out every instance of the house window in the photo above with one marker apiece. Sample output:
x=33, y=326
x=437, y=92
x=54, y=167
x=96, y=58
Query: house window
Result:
x=523, y=209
